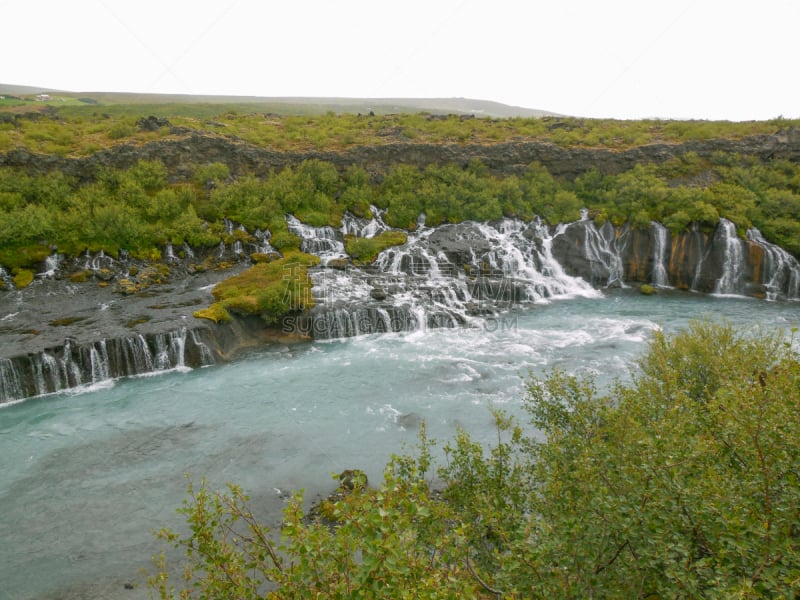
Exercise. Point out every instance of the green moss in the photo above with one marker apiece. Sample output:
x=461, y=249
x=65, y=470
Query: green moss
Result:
x=138, y=321
x=270, y=290
x=216, y=312
x=647, y=290
x=23, y=256
x=66, y=321
x=80, y=276
x=366, y=250
x=23, y=278
x=260, y=257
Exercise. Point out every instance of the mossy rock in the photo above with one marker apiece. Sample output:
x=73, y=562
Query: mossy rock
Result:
x=262, y=257
x=216, y=312
x=80, y=276
x=133, y=271
x=338, y=263
x=22, y=278
x=647, y=290
x=104, y=274
x=138, y=321
x=366, y=250
x=270, y=290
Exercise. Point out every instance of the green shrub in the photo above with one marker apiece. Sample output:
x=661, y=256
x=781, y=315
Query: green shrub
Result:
x=366, y=250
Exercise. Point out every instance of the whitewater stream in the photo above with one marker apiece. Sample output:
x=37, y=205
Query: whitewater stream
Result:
x=87, y=474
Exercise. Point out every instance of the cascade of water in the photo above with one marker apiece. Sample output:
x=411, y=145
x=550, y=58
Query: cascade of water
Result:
x=728, y=283
x=602, y=251
x=263, y=246
x=450, y=276
x=780, y=271
x=98, y=362
x=98, y=261
x=206, y=356
x=71, y=373
x=4, y=278
x=169, y=253
x=138, y=354
x=46, y=373
x=10, y=381
x=220, y=250
x=187, y=250
x=52, y=264
x=237, y=248
x=660, y=245
x=170, y=349
x=366, y=228
x=324, y=241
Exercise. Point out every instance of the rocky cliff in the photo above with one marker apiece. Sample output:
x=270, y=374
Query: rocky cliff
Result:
x=182, y=155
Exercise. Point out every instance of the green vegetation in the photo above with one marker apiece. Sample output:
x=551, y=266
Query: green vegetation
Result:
x=22, y=278
x=679, y=483
x=269, y=290
x=78, y=128
x=366, y=250
x=647, y=290
x=141, y=210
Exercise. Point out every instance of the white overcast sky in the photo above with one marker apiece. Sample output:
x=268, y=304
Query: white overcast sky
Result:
x=705, y=59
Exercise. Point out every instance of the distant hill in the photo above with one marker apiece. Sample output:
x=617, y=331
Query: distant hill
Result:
x=294, y=105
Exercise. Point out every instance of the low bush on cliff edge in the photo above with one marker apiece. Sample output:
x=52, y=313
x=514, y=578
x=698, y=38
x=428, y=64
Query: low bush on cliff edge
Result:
x=681, y=483
x=269, y=290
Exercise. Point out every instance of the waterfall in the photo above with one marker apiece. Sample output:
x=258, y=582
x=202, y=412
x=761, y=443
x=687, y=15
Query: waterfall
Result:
x=660, y=244
x=138, y=354
x=187, y=250
x=728, y=283
x=70, y=370
x=170, y=350
x=98, y=261
x=449, y=276
x=10, y=382
x=206, y=356
x=237, y=248
x=98, y=362
x=46, y=373
x=52, y=264
x=780, y=271
x=169, y=253
x=263, y=246
x=603, y=253
x=324, y=241
x=366, y=228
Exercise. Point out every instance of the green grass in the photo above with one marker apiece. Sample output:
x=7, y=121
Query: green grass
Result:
x=81, y=128
x=270, y=290
x=366, y=250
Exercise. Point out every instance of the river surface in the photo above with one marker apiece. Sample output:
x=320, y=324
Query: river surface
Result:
x=86, y=475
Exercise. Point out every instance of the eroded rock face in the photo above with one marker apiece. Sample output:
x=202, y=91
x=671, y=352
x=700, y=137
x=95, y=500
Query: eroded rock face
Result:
x=92, y=318
x=181, y=155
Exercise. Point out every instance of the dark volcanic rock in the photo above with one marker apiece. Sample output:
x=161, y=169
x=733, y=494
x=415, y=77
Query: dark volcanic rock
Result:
x=152, y=123
x=181, y=155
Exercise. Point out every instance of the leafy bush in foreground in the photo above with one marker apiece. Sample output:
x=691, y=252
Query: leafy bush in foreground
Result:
x=681, y=483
